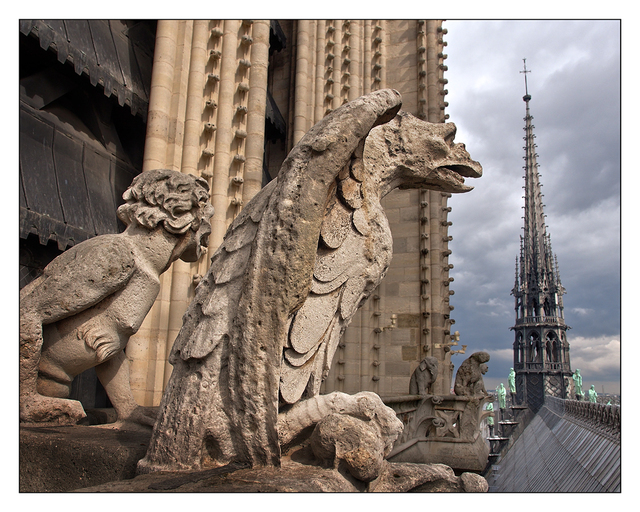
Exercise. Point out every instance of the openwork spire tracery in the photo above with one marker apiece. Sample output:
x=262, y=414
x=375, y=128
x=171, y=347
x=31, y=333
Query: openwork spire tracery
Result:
x=541, y=350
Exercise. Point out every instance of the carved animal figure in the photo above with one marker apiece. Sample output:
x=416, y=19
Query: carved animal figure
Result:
x=81, y=312
x=293, y=268
x=469, y=380
x=424, y=376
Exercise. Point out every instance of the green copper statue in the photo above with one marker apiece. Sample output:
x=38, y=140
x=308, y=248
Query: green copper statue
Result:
x=577, y=384
x=592, y=394
x=502, y=396
x=490, y=419
x=512, y=381
x=512, y=386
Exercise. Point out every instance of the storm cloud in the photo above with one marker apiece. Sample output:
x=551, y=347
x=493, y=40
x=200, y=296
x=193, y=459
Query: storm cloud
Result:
x=575, y=88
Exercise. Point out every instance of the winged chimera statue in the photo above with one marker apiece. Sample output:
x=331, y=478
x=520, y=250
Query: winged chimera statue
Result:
x=293, y=269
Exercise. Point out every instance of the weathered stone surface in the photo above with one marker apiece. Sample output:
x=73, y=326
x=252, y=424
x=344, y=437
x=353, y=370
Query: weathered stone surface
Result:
x=344, y=439
x=469, y=380
x=405, y=477
x=81, y=312
x=103, y=459
x=296, y=423
x=296, y=285
x=56, y=458
x=294, y=476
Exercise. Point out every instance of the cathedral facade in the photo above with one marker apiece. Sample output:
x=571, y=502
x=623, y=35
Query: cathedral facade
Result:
x=227, y=100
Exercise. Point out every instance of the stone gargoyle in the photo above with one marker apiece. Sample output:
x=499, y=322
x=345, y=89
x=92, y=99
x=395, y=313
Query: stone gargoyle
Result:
x=424, y=376
x=81, y=312
x=295, y=265
x=469, y=381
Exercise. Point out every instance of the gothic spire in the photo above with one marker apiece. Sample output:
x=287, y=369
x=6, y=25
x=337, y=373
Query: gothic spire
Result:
x=539, y=284
x=540, y=349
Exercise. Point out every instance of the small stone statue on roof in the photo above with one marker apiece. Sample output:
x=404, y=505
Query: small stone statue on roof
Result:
x=512, y=386
x=424, y=376
x=469, y=380
x=490, y=419
x=592, y=394
x=577, y=384
x=502, y=396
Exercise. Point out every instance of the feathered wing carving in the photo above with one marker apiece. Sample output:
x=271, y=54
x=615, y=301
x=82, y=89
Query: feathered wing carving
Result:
x=346, y=271
x=208, y=321
x=266, y=281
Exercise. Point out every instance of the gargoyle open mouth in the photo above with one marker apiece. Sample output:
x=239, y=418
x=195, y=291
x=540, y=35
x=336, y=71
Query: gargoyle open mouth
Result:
x=466, y=170
x=454, y=174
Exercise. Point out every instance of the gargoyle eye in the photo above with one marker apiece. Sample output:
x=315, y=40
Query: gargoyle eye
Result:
x=450, y=133
x=449, y=139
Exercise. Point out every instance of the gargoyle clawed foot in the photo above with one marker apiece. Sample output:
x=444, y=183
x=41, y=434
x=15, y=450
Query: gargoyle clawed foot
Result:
x=356, y=431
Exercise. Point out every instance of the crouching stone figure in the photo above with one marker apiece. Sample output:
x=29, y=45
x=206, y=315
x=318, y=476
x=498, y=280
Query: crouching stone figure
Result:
x=81, y=312
x=424, y=377
x=469, y=380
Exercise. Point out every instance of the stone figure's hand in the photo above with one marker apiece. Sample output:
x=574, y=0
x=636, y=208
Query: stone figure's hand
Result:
x=101, y=338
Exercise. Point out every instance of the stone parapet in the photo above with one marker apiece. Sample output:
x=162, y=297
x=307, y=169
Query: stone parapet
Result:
x=604, y=419
x=441, y=429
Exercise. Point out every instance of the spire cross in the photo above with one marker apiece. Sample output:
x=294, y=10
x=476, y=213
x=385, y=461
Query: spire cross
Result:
x=526, y=90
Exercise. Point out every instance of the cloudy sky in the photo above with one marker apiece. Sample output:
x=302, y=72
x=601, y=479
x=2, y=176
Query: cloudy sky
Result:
x=575, y=88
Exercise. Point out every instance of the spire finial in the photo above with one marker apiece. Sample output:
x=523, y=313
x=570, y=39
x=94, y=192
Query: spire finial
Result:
x=526, y=96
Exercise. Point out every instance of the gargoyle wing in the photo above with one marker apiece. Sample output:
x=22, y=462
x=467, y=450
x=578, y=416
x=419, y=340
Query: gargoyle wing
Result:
x=353, y=254
x=208, y=320
x=79, y=278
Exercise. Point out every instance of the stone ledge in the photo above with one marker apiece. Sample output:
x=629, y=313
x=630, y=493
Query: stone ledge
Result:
x=295, y=476
x=57, y=458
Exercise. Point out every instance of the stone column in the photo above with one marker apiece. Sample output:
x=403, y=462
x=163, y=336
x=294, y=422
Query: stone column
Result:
x=355, y=80
x=320, y=70
x=256, y=108
x=311, y=89
x=337, y=64
x=383, y=57
x=162, y=118
x=437, y=206
x=302, y=80
x=224, y=134
x=193, y=115
x=181, y=271
x=163, y=149
x=366, y=68
x=433, y=92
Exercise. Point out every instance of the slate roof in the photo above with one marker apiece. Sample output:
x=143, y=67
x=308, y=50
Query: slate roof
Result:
x=556, y=453
x=103, y=50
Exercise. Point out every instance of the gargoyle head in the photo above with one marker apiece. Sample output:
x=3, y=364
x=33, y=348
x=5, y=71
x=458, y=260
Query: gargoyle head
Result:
x=481, y=357
x=177, y=202
x=409, y=153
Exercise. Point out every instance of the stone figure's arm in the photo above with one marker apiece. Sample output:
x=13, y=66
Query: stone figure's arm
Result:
x=413, y=384
x=133, y=303
x=114, y=376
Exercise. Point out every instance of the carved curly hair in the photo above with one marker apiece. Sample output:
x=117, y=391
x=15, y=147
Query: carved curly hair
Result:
x=165, y=197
